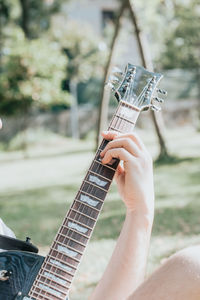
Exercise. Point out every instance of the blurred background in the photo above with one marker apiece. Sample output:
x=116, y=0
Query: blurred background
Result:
x=55, y=58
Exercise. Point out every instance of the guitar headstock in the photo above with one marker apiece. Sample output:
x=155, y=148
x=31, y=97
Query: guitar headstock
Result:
x=137, y=86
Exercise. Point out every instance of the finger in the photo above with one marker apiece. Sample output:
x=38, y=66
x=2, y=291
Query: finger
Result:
x=119, y=153
x=109, y=135
x=125, y=143
x=135, y=138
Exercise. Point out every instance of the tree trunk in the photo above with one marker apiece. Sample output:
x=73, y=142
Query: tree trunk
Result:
x=147, y=63
x=198, y=95
x=25, y=17
x=105, y=93
x=74, y=110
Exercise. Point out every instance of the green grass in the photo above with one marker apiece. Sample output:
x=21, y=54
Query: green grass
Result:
x=36, y=192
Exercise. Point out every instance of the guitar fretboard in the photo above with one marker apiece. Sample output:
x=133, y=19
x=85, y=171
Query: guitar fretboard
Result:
x=59, y=267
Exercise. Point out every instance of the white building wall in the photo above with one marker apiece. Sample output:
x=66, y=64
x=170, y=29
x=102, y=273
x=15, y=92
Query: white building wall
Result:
x=89, y=12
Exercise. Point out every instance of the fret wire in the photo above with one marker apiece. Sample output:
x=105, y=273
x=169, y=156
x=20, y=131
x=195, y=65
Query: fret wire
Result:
x=63, y=254
x=101, y=176
x=114, y=129
x=35, y=294
x=54, y=282
x=95, y=197
x=70, y=238
x=65, y=263
x=86, y=211
x=106, y=166
x=46, y=292
x=55, y=288
x=101, y=149
x=77, y=211
x=57, y=275
x=74, y=230
x=68, y=246
x=124, y=119
x=87, y=205
x=45, y=282
x=93, y=184
x=83, y=225
x=38, y=294
x=115, y=121
x=59, y=269
x=107, y=171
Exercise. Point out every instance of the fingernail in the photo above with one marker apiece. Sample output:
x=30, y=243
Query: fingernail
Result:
x=105, y=132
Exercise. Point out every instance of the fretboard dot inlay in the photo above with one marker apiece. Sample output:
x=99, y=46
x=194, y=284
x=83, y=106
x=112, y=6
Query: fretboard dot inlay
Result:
x=67, y=251
x=50, y=290
x=77, y=227
x=98, y=181
x=55, y=278
x=88, y=200
x=59, y=264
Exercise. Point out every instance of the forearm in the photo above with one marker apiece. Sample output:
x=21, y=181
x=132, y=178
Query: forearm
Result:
x=127, y=265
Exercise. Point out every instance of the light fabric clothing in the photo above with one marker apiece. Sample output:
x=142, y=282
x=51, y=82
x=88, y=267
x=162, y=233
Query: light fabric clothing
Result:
x=4, y=230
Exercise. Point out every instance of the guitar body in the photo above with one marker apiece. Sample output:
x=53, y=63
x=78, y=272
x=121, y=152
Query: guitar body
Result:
x=24, y=267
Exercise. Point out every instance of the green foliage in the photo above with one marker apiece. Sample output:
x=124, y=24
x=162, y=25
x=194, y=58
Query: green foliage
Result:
x=32, y=15
x=86, y=53
x=183, y=37
x=31, y=73
x=85, y=49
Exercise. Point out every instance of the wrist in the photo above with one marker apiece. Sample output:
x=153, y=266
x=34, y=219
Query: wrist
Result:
x=143, y=220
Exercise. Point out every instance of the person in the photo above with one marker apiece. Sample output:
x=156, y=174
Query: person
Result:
x=124, y=278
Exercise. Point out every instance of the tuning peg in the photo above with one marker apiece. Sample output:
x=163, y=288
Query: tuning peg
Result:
x=110, y=86
x=155, y=108
x=163, y=92
x=160, y=100
x=117, y=72
x=113, y=78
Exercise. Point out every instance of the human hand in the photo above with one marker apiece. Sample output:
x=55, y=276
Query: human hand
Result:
x=135, y=177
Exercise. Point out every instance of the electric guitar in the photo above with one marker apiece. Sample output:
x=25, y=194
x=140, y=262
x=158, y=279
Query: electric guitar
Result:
x=27, y=276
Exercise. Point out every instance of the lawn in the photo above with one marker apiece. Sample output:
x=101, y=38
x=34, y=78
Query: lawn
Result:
x=36, y=191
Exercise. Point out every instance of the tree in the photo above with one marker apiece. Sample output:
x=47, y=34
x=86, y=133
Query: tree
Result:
x=86, y=54
x=147, y=63
x=105, y=94
x=182, y=45
x=35, y=16
x=28, y=76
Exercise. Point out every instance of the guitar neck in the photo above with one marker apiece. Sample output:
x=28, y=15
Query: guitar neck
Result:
x=60, y=265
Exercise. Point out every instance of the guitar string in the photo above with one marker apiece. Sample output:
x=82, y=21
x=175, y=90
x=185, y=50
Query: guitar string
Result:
x=82, y=206
x=60, y=231
x=101, y=167
x=116, y=126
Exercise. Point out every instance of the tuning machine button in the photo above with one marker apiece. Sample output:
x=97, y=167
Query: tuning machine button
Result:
x=110, y=86
x=160, y=100
x=155, y=108
x=163, y=92
x=117, y=72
